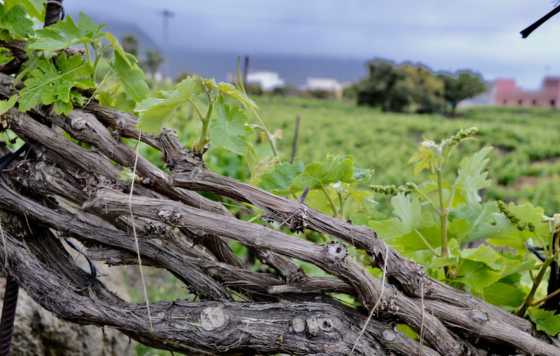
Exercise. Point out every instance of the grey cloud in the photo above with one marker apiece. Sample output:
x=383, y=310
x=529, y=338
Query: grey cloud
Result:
x=445, y=34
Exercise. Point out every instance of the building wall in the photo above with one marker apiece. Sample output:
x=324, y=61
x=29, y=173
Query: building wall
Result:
x=507, y=93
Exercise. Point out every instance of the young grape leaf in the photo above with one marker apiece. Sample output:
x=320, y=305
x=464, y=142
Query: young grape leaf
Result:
x=427, y=157
x=484, y=220
x=483, y=254
x=504, y=294
x=228, y=127
x=65, y=34
x=514, y=237
x=418, y=239
x=5, y=56
x=6, y=105
x=51, y=82
x=128, y=72
x=229, y=90
x=279, y=179
x=477, y=275
x=408, y=210
x=153, y=111
x=545, y=320
x=35, y=8
x=318, y=174
x=472, y=176
x=14, y=21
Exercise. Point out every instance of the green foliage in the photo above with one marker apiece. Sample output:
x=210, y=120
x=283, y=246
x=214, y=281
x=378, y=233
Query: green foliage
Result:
x=229, y=128
x=413, y=88
x=436, y=221
x=472, y=176
x=6, y=105
x=545, y=320
x=35, y=8
x=400, y=88
x=50, y=82
x=65, y=34
x=14, y=22
x=461, y=85
x=128, y=72
x=319, y=174
x=223, y=110
x=130, y=45
x=384, y=141
x=64, y=61
x=5, y=56
x=152, y=62
x=279, y=179
x=155, y=110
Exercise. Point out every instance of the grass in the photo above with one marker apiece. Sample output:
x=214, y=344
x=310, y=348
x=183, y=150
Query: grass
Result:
x=525, y=163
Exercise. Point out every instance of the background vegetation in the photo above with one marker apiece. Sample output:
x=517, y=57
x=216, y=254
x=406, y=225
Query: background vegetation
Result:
x=524, y=166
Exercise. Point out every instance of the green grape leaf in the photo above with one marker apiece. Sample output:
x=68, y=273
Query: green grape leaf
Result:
x=459, y=228
x=545, y=320
x=440, y=262
x=228, y=90
x=128, y=72
x=472, y=176
x=477, y=275
x=504, y=294
x=408, y=210
x=388, y=228
x=427, y=157
x=6, y=105
x=319, y=174
x=483, y=254
x=65, y=34
x=153, y=111
x=51, y=82
x=280, y=178
x=407, y=331
x=5, y=56
x=484, y=220
x=228, y=128
x=15, y=22
x=417, y=239
x=35, y=8
x=513, y=237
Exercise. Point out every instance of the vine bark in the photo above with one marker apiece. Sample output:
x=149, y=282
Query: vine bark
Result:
x=67, y=188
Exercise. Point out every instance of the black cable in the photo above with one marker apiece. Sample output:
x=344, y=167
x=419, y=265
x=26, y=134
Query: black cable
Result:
x=8, y=315
x=526, y=32
x=92, y=268
x=11, y=291
x=553, y=278
x=54, y=12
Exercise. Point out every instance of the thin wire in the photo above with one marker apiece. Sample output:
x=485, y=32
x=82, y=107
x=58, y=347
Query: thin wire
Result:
x=137, y=244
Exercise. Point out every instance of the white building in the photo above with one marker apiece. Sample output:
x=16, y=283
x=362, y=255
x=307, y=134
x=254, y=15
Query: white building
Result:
x=268, y=81
x=328, y=85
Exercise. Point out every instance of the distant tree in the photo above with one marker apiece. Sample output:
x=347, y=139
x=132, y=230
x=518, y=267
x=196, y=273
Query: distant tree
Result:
x=461, y=85
x=153, y=61
x=375, y=90
x=130, y=44
x=182, y=76
x=401, y=88
x=424, y=88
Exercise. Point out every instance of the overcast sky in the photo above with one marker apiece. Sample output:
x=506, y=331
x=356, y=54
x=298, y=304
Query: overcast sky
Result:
x=445, y=34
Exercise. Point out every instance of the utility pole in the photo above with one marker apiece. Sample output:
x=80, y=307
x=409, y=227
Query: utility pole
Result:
x=245, y=70
x=166, y=16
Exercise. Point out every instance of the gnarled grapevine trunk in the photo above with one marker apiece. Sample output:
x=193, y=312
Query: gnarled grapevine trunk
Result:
x=65, y=189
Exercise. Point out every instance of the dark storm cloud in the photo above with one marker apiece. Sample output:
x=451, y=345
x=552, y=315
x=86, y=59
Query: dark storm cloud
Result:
x=445, y=34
